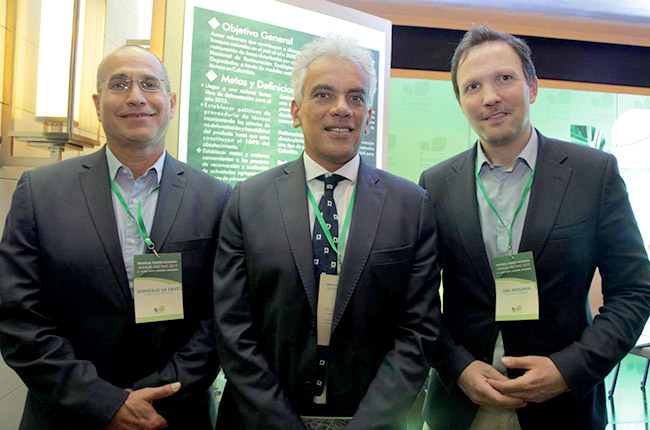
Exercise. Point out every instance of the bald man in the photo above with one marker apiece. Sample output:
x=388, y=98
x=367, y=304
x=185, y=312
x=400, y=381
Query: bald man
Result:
x=100, y=340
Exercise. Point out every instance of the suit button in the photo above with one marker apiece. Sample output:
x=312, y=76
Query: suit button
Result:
x=312, y=330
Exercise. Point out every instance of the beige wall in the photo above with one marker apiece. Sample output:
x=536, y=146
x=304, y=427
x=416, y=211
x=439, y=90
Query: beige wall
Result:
x=461, y=17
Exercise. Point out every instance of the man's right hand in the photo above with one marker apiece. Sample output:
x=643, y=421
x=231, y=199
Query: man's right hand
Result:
x=473, y=382
x=137, y=412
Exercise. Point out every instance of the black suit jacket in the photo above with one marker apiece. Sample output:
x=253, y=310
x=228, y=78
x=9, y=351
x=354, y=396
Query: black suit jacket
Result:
x=386, y=315
x=67, y=323
x=578, y=218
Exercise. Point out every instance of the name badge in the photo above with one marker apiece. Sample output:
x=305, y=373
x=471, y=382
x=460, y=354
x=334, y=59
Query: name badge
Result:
x=158, y=287
x=327, y=288
x=517, y=297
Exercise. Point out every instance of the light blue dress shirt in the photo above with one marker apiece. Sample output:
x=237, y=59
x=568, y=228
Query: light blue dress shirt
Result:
x=505, y=188
x=133, y=191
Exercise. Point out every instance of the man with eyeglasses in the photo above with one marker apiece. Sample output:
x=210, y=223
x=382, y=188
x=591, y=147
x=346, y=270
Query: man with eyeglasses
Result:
x=101, y=339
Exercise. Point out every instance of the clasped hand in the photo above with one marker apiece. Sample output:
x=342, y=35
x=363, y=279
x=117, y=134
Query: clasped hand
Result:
x=486, y=386
x=138, y=413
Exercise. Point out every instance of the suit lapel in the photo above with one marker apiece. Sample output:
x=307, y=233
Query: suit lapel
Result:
x=97, y=192
x=292, y=193
x=461, y=187
x=369, y=203
x=170, y=195
x=547, y=193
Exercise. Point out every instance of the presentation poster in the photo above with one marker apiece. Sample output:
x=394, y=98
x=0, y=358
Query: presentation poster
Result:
x=236, y=81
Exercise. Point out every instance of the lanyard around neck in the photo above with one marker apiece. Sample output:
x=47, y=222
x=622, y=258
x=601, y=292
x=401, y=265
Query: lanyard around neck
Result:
x=323, y=224
x=529, y=185
x=139, y=220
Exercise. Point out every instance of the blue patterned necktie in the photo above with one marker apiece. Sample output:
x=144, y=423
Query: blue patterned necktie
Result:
x=325, y=259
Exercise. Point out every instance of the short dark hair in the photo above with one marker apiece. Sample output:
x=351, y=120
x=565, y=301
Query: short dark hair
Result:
x=478, y=35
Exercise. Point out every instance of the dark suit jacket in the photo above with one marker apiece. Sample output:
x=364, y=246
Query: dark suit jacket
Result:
x=67, y=323
x=386, y=315
x=578, y=218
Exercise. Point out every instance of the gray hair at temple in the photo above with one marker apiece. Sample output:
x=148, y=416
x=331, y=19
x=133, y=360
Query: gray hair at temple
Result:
x=476, y=36
x=100, y=68
x=343, y=47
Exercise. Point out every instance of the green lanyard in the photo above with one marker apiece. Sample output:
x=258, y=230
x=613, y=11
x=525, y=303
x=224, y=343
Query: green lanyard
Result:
x=529, y=184
x=139, y=221
x=323, y=224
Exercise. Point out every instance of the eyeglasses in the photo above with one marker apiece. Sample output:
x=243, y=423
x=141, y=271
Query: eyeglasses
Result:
x=120, y=85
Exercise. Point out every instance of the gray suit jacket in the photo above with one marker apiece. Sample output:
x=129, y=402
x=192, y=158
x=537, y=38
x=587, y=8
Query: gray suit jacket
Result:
x=67, y=323
x=578, y=218
x=386, y=315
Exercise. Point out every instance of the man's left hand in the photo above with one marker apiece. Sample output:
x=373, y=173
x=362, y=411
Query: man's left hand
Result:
x=542, y=380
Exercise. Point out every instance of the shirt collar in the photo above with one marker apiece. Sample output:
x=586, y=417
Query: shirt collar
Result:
x=114, y=165
x=528, y=155
x=349, y=170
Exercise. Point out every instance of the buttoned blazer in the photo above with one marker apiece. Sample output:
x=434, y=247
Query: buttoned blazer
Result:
x=67, y=323
x=578, y=219
x=386, y=313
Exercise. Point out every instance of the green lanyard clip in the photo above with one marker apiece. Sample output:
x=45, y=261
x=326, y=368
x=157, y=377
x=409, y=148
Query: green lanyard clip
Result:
x=140, y=220
x=529, y=185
